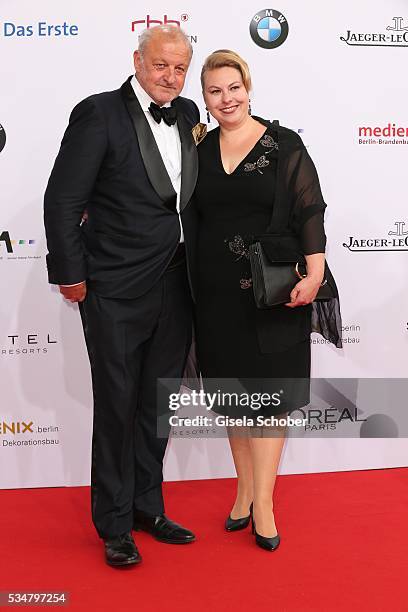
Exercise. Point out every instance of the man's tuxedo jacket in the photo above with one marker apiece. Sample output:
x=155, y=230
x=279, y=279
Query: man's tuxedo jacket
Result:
x=110, y=166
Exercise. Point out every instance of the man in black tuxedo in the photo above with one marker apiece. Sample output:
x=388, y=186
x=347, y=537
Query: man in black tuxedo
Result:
x=129, y=160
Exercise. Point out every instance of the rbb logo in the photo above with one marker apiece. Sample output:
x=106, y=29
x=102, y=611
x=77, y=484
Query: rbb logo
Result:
x=148, y=22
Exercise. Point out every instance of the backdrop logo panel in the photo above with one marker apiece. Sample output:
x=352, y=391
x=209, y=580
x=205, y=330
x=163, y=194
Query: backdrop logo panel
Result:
x=350, y=334
x=395, y=35
x=395, y=240
x=32, y=344
x=269, y=29
x=40, y=29
x=2, y=138
x=26, y=432
x=16, y=427
x=361, y=408
x=150, y=22
x=390, y=134
x=35, y=323
x=328, y=419
x=11, y=244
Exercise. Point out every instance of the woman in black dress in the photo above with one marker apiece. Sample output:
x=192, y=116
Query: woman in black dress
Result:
x=247, y=166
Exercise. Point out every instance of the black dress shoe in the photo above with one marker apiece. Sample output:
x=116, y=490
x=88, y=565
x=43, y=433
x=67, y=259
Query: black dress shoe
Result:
x=121, y=550
x=263, y=542
x=239, y=523
x=162, y=528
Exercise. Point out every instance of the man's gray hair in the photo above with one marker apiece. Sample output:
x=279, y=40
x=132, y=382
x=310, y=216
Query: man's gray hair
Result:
x=172, y=33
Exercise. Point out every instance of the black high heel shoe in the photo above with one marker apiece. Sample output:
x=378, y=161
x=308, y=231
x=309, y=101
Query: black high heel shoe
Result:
x=240, y=523
x=265, y=543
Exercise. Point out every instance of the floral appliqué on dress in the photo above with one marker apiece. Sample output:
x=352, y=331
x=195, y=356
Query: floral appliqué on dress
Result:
x=246, y=283
x=238, y=246
x=268, y=142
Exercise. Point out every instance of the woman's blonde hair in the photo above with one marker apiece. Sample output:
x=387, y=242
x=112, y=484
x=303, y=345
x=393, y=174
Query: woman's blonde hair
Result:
x=226, y=58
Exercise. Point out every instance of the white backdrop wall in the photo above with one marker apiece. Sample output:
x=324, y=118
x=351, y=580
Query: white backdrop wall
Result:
x=315, y=83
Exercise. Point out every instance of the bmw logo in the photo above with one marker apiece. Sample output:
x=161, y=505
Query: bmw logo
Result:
x=2, y=137
x=269, y=28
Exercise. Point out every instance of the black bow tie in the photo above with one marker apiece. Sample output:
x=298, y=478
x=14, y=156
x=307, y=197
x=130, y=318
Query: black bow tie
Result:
x=167, y=113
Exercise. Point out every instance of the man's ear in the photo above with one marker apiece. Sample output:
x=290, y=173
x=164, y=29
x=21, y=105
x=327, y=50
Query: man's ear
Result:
x=137, y=60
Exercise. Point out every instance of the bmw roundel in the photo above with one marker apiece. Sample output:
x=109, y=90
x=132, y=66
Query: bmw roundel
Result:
x=269, y=28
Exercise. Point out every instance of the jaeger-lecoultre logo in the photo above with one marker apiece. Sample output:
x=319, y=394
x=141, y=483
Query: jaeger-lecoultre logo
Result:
x=396, y=240
x=395, y=35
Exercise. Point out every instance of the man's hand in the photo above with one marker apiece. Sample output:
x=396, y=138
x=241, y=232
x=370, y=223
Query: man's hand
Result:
x=75, y=293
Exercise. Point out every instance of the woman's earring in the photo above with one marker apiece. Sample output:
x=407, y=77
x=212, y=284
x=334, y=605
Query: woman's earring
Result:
x=208, y=115
x=249, y=108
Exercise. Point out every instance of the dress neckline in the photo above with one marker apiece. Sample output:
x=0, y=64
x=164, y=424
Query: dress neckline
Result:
x=218, y=145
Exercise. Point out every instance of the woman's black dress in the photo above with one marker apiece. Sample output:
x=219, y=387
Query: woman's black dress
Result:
x=232, y=209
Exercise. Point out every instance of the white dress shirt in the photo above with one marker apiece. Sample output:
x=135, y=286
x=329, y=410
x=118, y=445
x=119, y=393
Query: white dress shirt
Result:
x=168, y=141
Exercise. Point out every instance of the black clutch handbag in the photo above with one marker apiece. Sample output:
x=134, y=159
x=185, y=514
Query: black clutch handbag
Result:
x=277, y=264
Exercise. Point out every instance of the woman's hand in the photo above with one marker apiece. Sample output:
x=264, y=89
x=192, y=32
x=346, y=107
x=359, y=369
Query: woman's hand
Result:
x=304, y=292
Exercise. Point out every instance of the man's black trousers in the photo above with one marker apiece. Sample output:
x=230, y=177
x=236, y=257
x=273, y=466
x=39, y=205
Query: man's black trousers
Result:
x=131, y=343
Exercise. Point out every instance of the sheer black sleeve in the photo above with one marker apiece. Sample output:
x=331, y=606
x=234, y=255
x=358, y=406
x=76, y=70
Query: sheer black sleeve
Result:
x=308, y=205
x=312, y=235
x=307, y=220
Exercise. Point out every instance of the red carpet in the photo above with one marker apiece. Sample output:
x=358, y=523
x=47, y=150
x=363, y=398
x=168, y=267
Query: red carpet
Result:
x=344, y=547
